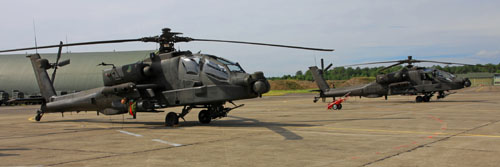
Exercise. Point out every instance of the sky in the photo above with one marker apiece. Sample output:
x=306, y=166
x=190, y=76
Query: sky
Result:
x=461, y=31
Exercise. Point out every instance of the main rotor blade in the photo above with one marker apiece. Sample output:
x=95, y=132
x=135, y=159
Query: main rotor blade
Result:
x=75, y=44
x=264, y=44
x=442, y=62
x=385, y=68
x=380, y=62
x=155, y=39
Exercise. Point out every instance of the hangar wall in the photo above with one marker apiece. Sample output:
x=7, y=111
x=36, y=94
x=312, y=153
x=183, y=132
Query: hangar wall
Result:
x=16, y=72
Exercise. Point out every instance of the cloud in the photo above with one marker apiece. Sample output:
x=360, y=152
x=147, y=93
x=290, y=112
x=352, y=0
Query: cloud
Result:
x=359, y=30
x=488, y=54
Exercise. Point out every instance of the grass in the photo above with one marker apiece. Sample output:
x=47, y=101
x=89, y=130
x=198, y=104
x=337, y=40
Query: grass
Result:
x=284, y=92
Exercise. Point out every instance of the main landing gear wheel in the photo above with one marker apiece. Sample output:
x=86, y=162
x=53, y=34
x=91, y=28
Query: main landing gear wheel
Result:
x=419, y=99
x=204, y=117
x=38, y=116
x=339, y=107
x=171, y=119
x=426, y=98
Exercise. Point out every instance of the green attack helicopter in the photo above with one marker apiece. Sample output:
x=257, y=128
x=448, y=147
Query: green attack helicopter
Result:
x=410, y=80
x=168, y=78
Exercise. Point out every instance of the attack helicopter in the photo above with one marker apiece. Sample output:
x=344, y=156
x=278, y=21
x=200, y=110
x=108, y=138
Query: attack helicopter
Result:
x=168, y=78
x=410, y=80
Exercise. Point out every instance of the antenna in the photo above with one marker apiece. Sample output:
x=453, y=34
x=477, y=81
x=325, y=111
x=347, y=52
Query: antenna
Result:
x=34, y=32
x=67, y=48
x=315, y=63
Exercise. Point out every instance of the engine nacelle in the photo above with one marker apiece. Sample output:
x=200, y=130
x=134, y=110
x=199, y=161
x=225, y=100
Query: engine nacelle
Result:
x=119, y=89
x=391, y=77
x=126, y=73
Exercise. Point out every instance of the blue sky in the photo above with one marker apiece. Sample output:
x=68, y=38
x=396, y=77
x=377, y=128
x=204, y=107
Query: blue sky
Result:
x=359, y=31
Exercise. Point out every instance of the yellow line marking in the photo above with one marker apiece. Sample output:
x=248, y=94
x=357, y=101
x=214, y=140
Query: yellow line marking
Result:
x=32, y=119
x=404, y=132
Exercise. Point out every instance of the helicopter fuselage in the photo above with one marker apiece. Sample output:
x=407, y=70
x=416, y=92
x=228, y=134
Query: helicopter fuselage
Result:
x=164, y=80
x=425, y=81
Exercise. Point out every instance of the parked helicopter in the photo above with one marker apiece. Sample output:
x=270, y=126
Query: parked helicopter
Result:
x=168, y=78
x=411, y=80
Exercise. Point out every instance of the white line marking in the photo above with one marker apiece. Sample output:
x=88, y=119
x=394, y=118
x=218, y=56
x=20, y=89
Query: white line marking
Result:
x=166, y=142
x=129, y=133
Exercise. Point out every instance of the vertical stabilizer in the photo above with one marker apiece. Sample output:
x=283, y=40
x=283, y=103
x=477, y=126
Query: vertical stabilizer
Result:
x=40, y=67
x=318, y=77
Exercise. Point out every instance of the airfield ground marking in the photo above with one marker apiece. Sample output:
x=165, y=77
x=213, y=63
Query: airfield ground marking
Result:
x=166, y=142
x=129, y=133
x=155, y=140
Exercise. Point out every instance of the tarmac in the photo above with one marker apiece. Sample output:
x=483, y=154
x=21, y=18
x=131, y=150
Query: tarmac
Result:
x=461, y=130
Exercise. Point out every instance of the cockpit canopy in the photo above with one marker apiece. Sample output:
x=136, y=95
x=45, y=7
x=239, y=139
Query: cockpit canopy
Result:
x=435, y=73
x=214, y=66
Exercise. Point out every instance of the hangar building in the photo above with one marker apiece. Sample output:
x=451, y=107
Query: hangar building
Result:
x=16, y=72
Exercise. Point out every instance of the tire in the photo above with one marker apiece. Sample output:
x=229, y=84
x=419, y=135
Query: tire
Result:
x=38, y=117
x=171, y=119
x=204, y=117
x=426, y=98
x=335, y=107
x=339, y=107
x=419, y=99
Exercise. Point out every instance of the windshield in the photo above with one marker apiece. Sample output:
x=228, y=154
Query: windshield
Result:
x=445, y=74
x=441, y=74
x=215, y=70
x=234, y=67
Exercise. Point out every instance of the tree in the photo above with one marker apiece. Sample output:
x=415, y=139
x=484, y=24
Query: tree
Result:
x=341, y=73
x=298, y=73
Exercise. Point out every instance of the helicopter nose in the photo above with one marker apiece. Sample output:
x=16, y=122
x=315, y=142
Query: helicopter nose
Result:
x=260, y=86
x=467, y=82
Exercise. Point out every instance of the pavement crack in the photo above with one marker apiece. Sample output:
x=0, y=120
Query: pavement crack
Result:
x=52, y=133
x=465, y=149
x=75, y=150
x=426, y=144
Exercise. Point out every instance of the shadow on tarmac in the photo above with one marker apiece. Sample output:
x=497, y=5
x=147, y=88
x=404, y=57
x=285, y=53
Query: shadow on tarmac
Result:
x=238, y=122
x=11, y=149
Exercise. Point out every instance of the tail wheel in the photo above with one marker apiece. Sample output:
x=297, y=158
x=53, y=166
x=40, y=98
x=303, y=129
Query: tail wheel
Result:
x=204, y=117
x=339, y=107
x=419, y=99
x=171, y=119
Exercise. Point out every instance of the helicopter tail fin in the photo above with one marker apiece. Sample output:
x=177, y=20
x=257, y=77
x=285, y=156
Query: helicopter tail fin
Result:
x=40, y=67
x=318, y=78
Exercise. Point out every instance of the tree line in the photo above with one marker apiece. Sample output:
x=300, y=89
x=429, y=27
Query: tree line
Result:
x=343, y=73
